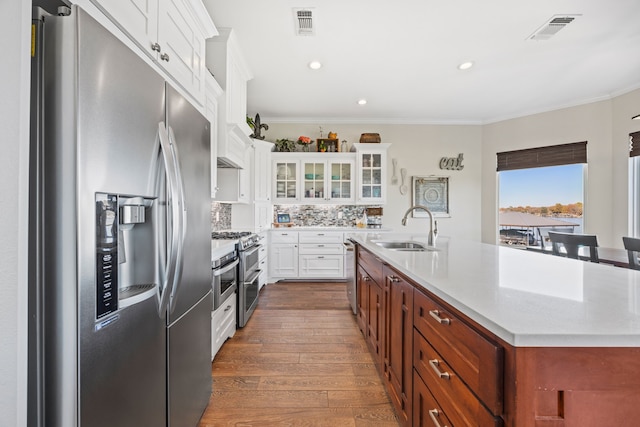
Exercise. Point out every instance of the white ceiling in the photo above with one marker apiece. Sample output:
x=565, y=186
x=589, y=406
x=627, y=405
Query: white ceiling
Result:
x=402, y=57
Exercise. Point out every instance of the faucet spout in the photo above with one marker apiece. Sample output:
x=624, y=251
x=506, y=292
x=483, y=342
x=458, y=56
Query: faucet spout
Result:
x=433, y=232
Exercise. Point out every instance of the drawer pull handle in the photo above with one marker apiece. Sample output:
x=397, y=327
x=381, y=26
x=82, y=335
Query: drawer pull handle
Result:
x=365, y=278
x=436, y=315
x=393, y=279
x=435, y=365
x=433, y=414
x=321, y=246
x=227, y=309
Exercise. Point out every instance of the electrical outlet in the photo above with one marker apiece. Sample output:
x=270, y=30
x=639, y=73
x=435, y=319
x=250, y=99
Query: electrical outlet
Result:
x=217, y=216
x=340, y=215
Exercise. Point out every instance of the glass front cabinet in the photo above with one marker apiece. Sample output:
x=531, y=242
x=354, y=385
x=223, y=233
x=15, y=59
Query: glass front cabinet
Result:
x=285, y=183
x=372, y=168
x=328, y=181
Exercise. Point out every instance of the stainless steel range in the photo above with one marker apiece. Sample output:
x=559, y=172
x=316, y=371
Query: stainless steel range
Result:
x=248, y=271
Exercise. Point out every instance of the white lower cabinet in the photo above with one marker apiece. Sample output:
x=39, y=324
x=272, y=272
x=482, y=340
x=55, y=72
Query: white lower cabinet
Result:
x=283, y=254
x=263, y=258
x=321, y=254
x=223, y=324
x=313, y=266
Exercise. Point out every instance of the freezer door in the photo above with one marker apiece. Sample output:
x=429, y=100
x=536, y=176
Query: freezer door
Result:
x=190, y=381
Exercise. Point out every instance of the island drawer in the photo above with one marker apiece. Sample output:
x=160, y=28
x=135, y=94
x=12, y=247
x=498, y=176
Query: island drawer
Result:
x=476, y=359
x=426, y=411
x=321, y=237
x=321, y=248
x=284, y=236
x=459, y=403
x=371, y=264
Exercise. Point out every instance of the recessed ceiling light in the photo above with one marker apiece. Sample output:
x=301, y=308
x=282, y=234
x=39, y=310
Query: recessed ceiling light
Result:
x=315, y=65
x=465, y=65
x=362, y=101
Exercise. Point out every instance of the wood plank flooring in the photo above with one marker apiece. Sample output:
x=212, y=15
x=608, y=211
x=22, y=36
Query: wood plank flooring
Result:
x=299, y=361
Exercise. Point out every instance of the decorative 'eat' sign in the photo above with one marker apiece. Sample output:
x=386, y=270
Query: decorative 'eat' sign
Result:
x=452, y=163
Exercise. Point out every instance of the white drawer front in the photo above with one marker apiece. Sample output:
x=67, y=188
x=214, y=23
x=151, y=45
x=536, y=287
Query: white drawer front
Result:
x=322, y=266
x=284, y=237
x=321, y=248
x=321, y=237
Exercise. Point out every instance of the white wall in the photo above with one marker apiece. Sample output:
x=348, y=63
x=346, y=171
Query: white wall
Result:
x=15, y=24
x=418, y=148
x=605, y=125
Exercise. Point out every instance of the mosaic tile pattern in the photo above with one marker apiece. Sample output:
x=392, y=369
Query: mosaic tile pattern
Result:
x=321, y=215
x=220, y=216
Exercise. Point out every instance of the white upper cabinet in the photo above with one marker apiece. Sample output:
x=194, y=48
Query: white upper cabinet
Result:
x=328, y=178
x=171, y=32
x=225, y=60
x=213, y=91
x=372, y=173
x=261, y=169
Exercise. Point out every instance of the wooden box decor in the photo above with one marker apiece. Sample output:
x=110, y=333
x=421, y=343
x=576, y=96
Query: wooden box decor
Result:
x=370, y=138
x=329, y=145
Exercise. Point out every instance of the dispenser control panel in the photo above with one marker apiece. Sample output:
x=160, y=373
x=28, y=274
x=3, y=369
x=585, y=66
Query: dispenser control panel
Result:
x=106, y=254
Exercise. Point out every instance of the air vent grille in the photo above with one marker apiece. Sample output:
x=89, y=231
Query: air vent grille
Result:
x=303, y=20
x=551, y=27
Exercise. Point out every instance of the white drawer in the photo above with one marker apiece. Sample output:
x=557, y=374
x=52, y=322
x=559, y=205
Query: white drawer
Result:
x=322, y=266
x=284, y=237
x=321, y=237
x=321, y=248
x=262, y=252
x=223, y=324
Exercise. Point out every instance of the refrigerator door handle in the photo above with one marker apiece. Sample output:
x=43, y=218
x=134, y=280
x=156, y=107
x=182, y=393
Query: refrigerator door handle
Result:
x=173, y=240
x=183, y=219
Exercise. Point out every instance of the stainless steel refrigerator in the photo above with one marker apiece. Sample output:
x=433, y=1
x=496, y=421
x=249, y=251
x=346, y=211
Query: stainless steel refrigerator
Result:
x=120, y=274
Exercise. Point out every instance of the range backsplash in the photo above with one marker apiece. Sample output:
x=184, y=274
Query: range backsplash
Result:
x=321, y=215
x=220, y=216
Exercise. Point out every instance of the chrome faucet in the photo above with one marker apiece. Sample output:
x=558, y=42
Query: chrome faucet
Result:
x=433, y=231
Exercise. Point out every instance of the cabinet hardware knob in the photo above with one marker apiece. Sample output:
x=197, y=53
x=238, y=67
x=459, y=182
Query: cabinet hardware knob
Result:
x=436, y=315
x=155, y=47
x=365, y=278
x=165, y=57
x=435, y=363
x=433, y=414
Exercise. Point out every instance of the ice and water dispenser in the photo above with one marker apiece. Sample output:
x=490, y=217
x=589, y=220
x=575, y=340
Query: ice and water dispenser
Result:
x=127, y=264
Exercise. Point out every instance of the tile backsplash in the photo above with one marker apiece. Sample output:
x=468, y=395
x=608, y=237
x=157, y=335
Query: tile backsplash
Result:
x=220, y=216
x=321, y=215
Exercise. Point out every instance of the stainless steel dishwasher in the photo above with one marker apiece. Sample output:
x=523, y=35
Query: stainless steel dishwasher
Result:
x=350, y=273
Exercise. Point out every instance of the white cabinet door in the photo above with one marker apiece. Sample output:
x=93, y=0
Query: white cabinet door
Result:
x=372, y=173
x=212, y=93
x=262, y=171
x=286, y=187
x=138, y=18
x=283, y=259
x=234, y=184
x=182, y=46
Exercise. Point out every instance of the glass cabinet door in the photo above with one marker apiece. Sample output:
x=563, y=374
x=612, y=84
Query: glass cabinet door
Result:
x=341, y=181
x=313, y=179
x=285, y=182
x=371, y=179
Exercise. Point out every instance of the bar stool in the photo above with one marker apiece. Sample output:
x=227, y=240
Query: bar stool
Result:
x=632, y=245
x=572, y=244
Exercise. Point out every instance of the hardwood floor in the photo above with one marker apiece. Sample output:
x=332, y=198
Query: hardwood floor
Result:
x=299, y=361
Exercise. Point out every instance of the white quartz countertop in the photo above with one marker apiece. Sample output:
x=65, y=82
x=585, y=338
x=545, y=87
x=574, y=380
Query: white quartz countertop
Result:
x=221, y=247
x=527, y=299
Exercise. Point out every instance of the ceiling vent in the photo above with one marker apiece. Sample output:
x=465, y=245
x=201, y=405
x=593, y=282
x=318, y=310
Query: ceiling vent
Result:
x=303, y=19
x=551, y=27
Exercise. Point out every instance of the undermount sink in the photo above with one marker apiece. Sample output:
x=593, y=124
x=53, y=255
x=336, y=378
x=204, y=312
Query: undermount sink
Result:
x=409, y=246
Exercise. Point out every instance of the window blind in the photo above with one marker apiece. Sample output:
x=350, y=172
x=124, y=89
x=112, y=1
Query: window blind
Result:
x=634, y=144
x=554, y=155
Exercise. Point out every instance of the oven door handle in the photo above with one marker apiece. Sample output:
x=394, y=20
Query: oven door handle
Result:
x=253, y=277
x=226, y=268
x=251, y=250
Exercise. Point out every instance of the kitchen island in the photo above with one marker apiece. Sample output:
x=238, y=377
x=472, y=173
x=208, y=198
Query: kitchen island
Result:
x=478, y=334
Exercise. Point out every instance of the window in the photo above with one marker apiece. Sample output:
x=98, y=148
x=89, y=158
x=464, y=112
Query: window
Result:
x=540, y=189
